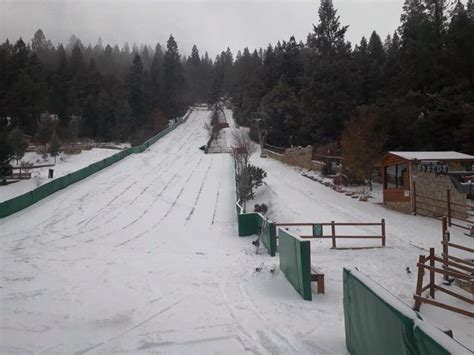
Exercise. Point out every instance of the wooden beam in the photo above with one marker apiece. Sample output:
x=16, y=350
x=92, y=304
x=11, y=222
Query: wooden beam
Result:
x=442, y=305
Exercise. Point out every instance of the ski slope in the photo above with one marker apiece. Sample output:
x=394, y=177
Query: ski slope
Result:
x=143, y=257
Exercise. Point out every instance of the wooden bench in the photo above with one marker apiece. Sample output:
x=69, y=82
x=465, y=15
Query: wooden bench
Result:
x=317, y=277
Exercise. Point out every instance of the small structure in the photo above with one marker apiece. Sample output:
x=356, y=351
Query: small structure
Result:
x=407, y=176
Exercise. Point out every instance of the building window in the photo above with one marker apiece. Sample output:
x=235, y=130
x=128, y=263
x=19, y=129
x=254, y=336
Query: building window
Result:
x=396, y=176
x=391, y=177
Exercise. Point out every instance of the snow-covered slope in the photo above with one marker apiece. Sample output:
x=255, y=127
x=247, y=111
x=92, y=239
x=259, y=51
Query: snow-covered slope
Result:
x=291, y=197
x=144, y=257
x=65, y=164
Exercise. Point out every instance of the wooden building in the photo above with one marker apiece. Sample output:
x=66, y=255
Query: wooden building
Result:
x=406, y=174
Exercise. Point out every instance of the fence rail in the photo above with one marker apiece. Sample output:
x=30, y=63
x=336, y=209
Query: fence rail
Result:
x=451, y=266
x=447, y=269
x=333, y=236
x=426, y=206
x=274, y=149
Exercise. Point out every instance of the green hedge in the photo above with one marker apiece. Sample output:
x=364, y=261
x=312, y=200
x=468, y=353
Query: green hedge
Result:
x=295, y=262
x=376, y=322
x=27, y=199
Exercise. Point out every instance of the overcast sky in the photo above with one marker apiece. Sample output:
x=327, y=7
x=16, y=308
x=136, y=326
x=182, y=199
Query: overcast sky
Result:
x=211, y=25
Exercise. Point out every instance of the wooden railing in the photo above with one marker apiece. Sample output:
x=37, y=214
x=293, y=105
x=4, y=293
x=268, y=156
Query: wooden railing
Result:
x=434, y=207
x=274, y=149
x=333, y=236
x=462, y=271
x=451, y=266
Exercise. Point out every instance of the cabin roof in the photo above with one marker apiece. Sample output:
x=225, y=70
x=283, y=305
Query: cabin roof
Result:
x=433, y=155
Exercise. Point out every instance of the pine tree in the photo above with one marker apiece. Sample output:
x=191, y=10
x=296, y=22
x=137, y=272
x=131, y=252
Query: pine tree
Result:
x=328, y=38
x=377, y=57
x=6, y=154
x=282, y=109
x=156, y=76
x=392, y=67
x=419, y=50
x=228, y=72
x=135, y=84
x=46, y=127
x=459, y=40
x=17, y=143
x=362, y=62
x=173, y=79
x=78, y=75
x=54, y=146
x=194, y=76
x=328, y=93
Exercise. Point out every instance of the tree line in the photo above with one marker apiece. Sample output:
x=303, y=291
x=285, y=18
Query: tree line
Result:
x=411, y=91
x=64, y=92
x=101, y=92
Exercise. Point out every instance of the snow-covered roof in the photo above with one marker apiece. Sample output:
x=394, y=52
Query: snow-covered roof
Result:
x=446, y=155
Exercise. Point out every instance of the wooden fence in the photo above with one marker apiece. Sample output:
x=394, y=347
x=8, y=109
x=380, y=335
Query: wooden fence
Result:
x=333, y=236
x=448, y=266
x=456, y=213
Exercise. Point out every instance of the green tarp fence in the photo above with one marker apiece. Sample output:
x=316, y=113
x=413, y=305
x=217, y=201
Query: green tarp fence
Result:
x=27, y=199
x=252, y=224
x=376, y=322
x=268, y=234
x=247, y=224
x=295, y=262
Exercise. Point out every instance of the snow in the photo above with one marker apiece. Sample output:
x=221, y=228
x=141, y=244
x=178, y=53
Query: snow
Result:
x=291, y=197
x=443, y=339
x=144, y=257
x=384, y=294
x=444, y=155
x=436, y=334
x=65, y=164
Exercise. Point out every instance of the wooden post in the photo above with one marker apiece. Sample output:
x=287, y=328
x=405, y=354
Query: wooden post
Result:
x=383, y=232
x=432, y=273
x=320, y=283
x=445, y=253
x=333, y=233
x=414, y=197
x=448, y=200
x=444, y=227
x=419, y=281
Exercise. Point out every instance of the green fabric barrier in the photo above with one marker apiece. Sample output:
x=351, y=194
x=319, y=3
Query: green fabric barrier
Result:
x=373, y=325
x=23, y=201
x=247, y=224
x=251, y=224
x=376, y=322
x=295, y=262
x=425, y=336
x=268, y=235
